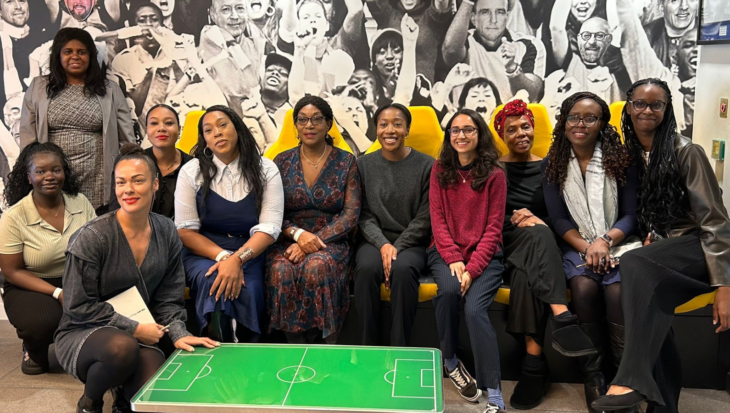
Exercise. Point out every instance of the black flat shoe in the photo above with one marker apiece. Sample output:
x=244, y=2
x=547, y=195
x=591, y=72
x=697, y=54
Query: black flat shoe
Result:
x=86, y=405
x=568, y=338
x=30, y=367
x=612, y=403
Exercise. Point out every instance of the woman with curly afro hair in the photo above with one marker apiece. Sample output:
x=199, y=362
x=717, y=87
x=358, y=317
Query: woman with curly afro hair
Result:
x=590, y=193
x=45, y=209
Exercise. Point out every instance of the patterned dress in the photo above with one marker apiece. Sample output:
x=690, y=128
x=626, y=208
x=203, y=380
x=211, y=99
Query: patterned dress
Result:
x=315, y=292
x=75, y=123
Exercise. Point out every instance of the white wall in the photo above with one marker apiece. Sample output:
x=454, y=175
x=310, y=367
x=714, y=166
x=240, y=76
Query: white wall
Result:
x=713, y=83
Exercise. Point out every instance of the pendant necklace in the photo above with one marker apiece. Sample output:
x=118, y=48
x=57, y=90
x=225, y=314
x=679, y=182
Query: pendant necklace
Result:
x=463, y=177
x=316, y=165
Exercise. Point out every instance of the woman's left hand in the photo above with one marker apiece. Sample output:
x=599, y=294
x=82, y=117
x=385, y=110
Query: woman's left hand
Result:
x=597, y=252
x=188, y=342
x=294, y=253
x=721, y=309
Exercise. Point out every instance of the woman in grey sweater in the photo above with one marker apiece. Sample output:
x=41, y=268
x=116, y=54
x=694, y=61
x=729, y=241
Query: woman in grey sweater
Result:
x=395, y=223
x=107, y=256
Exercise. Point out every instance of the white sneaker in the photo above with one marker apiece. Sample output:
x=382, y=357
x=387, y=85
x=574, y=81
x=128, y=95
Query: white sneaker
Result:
x=493, y=408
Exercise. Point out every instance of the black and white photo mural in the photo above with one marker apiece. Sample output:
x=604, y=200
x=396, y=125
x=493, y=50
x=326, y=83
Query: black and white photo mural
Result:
x=260, y=56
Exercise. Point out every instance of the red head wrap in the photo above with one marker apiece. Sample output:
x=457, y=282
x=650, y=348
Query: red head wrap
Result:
x=512, y=108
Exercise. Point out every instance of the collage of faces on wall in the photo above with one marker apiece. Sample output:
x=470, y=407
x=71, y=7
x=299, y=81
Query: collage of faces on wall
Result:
x=260, y=56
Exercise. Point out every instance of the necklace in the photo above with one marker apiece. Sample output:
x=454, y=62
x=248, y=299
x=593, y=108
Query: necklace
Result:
x=57, y=209
x=463, y=177
x=164, y=169
x=316, y=165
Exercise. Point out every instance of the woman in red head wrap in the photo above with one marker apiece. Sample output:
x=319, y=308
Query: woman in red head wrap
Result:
x=533, y=261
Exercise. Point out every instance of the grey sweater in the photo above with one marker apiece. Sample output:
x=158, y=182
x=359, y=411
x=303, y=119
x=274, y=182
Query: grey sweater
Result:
x=395, y=205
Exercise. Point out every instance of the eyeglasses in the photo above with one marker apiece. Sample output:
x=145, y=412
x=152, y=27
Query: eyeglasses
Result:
x=656, y=106
x=316, y=121
x=599, y=35
x=468, y=131
x=588, y=121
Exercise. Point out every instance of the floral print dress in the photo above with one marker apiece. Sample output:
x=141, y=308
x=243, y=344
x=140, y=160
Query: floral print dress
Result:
x=315, y=292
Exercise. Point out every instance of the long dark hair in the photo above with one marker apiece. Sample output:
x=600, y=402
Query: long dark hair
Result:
x=249, y=157
x=323, y=107
x=18, y=186
x=661, y=183
x=95, y=81
x=487, y=154
x=615, y=157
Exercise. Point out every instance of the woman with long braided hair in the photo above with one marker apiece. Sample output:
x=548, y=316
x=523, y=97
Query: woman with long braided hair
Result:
x=687, y=236
x=590, y=193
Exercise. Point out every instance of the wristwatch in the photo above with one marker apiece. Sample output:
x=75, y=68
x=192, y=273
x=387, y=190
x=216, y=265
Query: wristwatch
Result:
x=608, y=239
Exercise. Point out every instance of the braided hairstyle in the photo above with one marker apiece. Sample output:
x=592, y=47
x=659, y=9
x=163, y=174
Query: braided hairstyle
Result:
x=249, y=157
x=661, y=183
x=615, y=156
x=487, y=154
x=19, y=186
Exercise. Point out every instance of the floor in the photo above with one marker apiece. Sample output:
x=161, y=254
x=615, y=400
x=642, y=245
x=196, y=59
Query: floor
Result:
x=57, y=392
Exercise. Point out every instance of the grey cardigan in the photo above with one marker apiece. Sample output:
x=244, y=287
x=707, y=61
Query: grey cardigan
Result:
x=118, y=126
x=100, y=264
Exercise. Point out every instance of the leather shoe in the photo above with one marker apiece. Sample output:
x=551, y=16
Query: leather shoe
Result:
x=612, y=403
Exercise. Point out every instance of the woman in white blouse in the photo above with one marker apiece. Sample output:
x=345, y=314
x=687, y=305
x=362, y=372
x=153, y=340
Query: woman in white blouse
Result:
x=229, y=205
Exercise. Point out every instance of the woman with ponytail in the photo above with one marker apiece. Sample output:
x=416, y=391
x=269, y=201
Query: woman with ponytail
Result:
x=686, y=231
x=590, y=193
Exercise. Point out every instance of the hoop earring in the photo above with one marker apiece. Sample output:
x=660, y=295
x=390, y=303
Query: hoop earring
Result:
x=205, y=154
x=270, y=11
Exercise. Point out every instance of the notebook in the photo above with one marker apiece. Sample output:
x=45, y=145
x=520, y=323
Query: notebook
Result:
x=131, y=305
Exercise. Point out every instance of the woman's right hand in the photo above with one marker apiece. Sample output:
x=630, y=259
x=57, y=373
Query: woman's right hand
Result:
x=229, y=280
x=598, y=251
x=310, y=243
x=149, y=334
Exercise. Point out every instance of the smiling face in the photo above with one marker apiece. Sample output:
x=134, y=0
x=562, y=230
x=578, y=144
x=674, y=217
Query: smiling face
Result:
x=593, y=49
x=688, y=55
x=519, y=135
x=309, y=133
x=167, y=6
x=409, y=5
x=276, y=79
x=162, y=128
x=75, y=58
x=388, y=59
x=229, y=15
x=46, y=174
x=583, y=9
x=313, y=17
x=15, y=12
x=464, y=143
x=134, y=186
x=581, y=135
x=680, y=14
x=391, y=129
x=490, y=18
x=257, y=9
x=356, y=110
x=482, y=100
x=220, y=135
x=647, y=120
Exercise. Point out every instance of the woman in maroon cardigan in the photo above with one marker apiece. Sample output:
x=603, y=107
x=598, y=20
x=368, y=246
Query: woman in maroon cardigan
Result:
x=467, y=195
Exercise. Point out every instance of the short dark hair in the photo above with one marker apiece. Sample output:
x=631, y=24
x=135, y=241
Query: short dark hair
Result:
x=95, y=81
x=398, y=106
x=478, y=81
x=149, y=4
x=163, y=105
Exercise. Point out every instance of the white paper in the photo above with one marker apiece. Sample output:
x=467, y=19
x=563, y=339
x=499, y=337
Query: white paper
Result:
x=131, y=305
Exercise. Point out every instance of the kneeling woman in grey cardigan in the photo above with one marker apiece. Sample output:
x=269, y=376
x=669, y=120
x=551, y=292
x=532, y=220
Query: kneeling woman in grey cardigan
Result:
x=127, y=248
x=396, y=224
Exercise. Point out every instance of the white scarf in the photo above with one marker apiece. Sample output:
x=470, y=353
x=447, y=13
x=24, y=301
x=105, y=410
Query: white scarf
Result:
x=594, y=204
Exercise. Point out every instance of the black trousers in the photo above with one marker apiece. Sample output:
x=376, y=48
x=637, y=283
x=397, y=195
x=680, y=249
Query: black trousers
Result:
x=35, y=317
x=534, y=265
x=656, y=279
x=478, y=298
x=369, y=275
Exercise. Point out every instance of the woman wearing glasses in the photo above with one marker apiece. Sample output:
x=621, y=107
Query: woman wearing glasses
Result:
x=686, y=226
x=308, y=270
x=590, y=193
x=467, y=197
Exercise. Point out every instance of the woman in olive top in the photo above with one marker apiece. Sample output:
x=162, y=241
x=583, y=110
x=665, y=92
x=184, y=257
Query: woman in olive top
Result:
x=46, y=208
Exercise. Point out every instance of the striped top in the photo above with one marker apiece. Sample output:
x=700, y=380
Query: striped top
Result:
x=22, y=230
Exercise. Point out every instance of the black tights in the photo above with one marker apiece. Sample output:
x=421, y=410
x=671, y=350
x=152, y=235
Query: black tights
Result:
x=111, y=358
x=589, y=300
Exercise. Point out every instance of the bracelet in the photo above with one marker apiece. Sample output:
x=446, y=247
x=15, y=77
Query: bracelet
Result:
x=221, y=255
x=245, y=255
x=515, y=73
x=297, y=234
x=57, y=293
x=583, y=254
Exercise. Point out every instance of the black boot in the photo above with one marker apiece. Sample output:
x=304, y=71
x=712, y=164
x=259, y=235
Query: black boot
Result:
x=533, y=384
x=220, y=328
x=616, y=338
x=86, y=405
x=568, y=338
x=120, y=404
x=595, y=383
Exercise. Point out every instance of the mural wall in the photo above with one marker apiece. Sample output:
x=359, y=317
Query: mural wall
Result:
x=260, y=56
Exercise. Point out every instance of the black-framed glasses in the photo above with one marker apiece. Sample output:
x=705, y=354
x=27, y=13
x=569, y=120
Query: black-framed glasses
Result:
x=316, y=120
x=655, y=106
x=598, y=35
x=588, y=121
x=468, y=131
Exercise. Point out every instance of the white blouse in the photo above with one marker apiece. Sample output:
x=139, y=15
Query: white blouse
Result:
x=230, y=184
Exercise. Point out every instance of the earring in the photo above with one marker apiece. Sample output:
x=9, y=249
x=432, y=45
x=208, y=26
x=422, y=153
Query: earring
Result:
x=270, y=11
x=211, y=152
